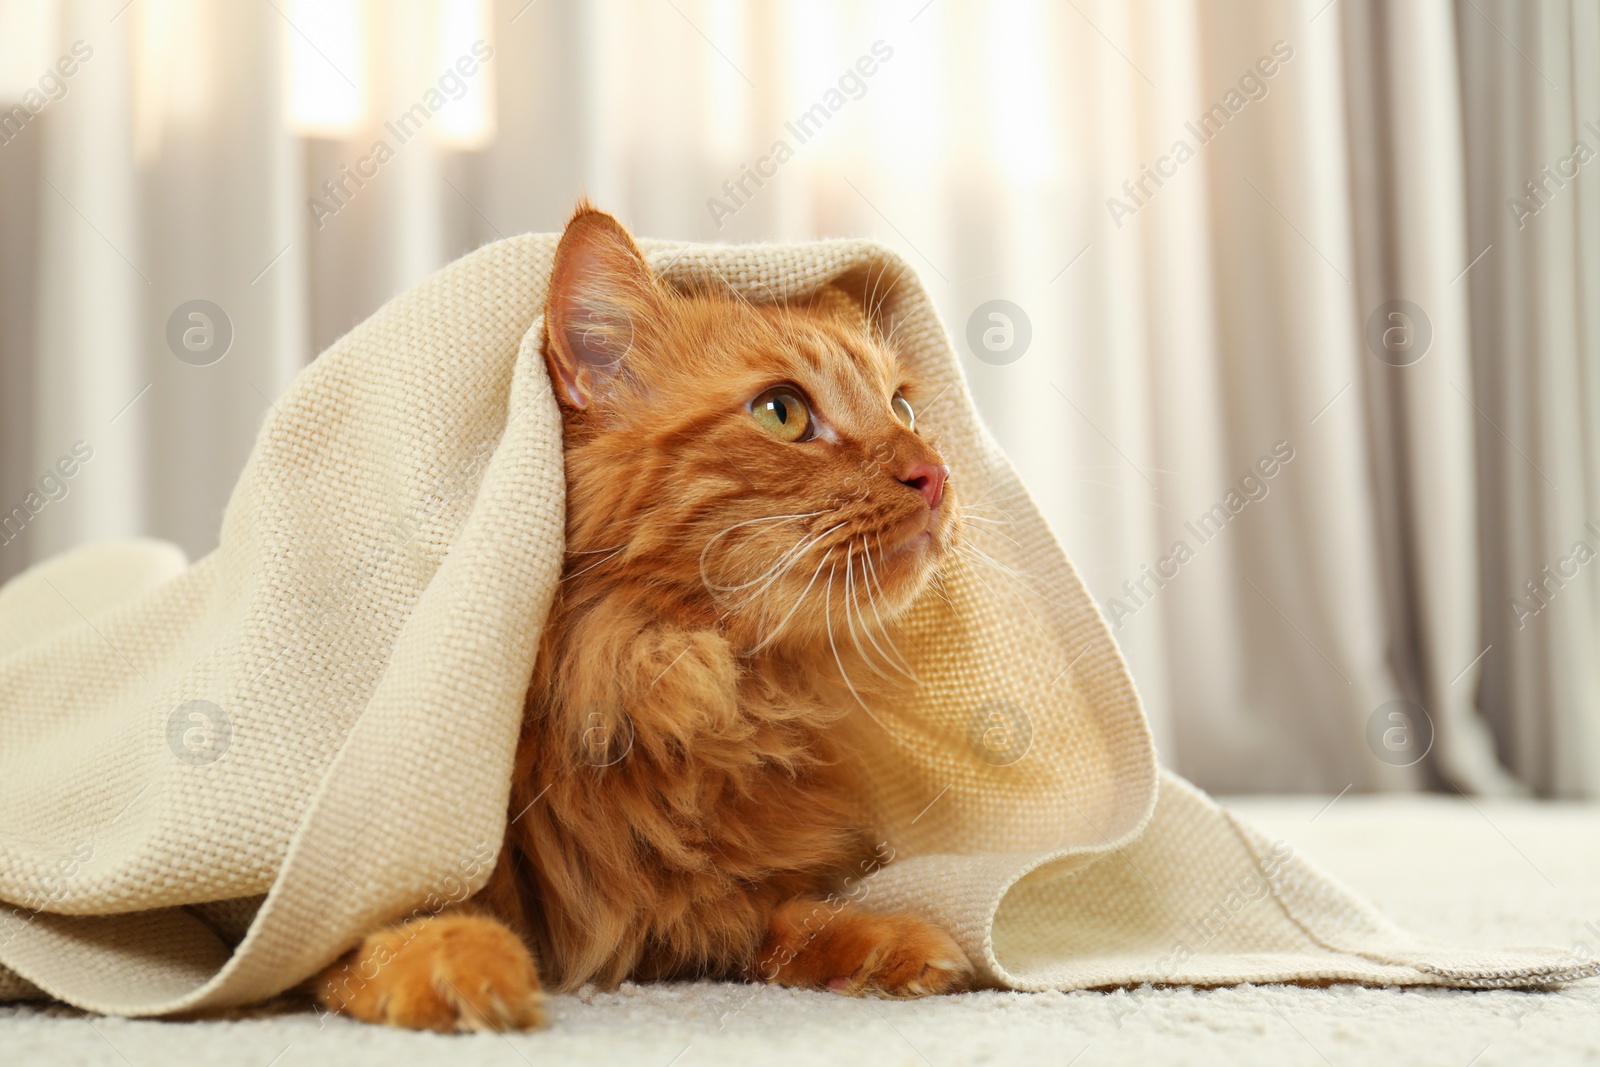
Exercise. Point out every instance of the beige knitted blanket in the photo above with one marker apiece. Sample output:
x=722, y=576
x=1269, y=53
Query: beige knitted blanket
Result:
x=214, y=778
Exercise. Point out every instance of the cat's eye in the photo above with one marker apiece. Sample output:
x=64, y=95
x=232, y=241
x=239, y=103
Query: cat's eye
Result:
x=783, y=412
x=903, y=412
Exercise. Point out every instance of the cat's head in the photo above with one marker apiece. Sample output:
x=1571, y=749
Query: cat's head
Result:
x=759, y=466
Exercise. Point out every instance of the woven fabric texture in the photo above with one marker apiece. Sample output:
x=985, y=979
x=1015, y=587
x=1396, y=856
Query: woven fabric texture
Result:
x=215, y=778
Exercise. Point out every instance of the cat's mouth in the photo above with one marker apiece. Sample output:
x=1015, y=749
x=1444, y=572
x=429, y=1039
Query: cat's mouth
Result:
x=918, y=539
x=914, y=536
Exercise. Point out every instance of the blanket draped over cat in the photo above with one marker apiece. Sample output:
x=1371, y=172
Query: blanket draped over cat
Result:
x=216, y=777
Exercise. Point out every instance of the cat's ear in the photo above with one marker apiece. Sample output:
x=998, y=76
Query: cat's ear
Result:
x=599, y=289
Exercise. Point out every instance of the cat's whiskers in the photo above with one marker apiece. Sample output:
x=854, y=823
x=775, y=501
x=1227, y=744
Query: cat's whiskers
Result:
x=978, y=554
x=898, y=661
x=983, y=529
x=714, y=538
x=798, y=601
x=873, y=292
x=779, y=569
x=614, y=553
x=592, y=551
x=868, y=576
x=875, y=302
x=973, y=563
x=937, y=584
x=735, y=293
x=849, y=600
x=827, y=613
x=888, y=342
x=990, y=499
x=983, y=508
x=977, y=558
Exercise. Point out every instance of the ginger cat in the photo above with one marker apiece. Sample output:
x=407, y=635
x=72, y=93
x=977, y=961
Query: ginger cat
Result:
x=750, y=505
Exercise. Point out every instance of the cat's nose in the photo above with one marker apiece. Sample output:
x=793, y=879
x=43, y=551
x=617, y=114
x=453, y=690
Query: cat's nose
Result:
x=927, y=479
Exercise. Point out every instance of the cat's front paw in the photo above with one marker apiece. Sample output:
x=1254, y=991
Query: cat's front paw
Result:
x=446, y=972
x=814, y=945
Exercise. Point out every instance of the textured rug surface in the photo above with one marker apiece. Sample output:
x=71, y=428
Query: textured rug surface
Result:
x=1488, y=872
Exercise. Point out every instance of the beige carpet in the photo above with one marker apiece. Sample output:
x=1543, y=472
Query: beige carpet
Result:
x=1486, y=872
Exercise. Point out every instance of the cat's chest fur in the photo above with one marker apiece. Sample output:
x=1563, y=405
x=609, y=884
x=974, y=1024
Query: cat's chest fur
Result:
x=672, y=800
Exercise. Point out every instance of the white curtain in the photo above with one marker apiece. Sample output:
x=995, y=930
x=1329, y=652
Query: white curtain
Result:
x=1532, y=151
x=1306, y=539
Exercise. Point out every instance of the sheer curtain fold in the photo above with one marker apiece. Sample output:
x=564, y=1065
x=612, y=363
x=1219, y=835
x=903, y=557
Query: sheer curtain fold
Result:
x=1404, y=123
x=89, y=266
x=1193, y=211
x=1532, y=123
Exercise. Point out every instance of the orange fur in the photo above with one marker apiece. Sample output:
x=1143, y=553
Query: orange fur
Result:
x=444, y=972
x=810, y=944
x=679, y=804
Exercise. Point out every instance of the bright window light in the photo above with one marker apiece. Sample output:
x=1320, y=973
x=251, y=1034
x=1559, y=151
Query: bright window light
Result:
x=1021, y=118
x=173, y=71
x=816, y=59
x=466, y=121
x=324, y=47
x=730, y=97
x=27, y=45
x=913, y=115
